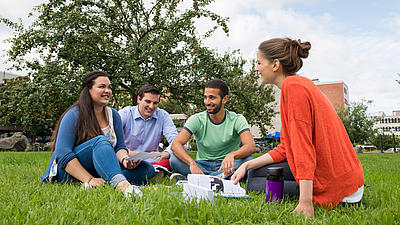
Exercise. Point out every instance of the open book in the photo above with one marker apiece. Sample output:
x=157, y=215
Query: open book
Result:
x=143, y=156
x=206, y=187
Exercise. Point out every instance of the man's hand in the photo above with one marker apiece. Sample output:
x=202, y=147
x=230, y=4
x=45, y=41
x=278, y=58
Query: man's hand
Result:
x=239, y=174
x=194, y=168
x=306, y=208
x=164, y=155
x=228, y=165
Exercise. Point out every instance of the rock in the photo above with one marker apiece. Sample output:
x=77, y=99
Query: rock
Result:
x=17, y=143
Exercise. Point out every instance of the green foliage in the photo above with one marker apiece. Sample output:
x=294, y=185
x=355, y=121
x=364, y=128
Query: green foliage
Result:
x=135, y=42
x=173, y=106
x=179, y=123
x=254, y=101
x=25, y=200
x=14, y=88
x=35, y=104
x=387, y=141
x=132, y=41
x=358, y=124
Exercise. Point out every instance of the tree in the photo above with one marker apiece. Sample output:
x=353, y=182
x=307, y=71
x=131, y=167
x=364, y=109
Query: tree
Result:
x=254, y=101
x=11, y=87
x=34, y=105
x=358, y=124
x=135, y=42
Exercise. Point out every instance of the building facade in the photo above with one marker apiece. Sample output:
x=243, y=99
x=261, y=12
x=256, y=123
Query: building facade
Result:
x=336, y=91
x=5, y=75
x=389, y=124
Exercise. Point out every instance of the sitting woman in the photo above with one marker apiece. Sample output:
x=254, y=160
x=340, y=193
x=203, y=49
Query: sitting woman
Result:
x=88, y=143
x=314, y=141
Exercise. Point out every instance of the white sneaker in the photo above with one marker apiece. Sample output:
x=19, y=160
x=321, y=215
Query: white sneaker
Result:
x=86, y=186
x=133, y=190
x=177, y=176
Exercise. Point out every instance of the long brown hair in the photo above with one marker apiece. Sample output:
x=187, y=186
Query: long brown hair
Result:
x=289, y=53
x=87, y=126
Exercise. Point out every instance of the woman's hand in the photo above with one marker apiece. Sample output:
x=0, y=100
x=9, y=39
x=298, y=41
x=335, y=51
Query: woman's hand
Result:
x=97, y=182
x=239, y=173
x=305, y=205
x=306, y=208
x=130, y=164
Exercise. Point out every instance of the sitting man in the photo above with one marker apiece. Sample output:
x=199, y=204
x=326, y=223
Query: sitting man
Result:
x=144, y=124
x=223, y=138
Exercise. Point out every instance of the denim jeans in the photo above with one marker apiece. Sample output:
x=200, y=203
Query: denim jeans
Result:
x=209, y=167
x=98, y=157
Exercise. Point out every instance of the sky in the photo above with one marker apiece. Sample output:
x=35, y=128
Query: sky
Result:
x=357, y=42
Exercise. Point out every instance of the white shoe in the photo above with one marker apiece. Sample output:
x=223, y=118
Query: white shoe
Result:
x=177, y=177
x=133, y=190
x=86, y=186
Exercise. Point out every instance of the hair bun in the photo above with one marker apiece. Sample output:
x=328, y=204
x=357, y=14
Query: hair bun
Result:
x=289, y=52
x=304, y=48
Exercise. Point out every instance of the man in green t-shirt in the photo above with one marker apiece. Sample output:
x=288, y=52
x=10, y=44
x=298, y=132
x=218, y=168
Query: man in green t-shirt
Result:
x=223, y=138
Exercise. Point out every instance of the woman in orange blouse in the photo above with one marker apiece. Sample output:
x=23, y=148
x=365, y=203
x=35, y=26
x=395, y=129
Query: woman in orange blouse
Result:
x=314, y=141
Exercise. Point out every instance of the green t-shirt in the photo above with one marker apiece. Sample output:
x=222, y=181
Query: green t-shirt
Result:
x=215, y=141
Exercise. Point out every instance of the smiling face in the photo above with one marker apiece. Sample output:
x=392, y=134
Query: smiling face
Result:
x=101, y=91
x=213, y=101
x=266, y=69
x=148, y=104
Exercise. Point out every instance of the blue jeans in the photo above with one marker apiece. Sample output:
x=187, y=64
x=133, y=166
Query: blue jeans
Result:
x=209, y=167
x=98, y=157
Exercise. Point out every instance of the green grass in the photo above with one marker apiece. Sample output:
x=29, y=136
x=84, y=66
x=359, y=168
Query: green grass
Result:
x=24, y=199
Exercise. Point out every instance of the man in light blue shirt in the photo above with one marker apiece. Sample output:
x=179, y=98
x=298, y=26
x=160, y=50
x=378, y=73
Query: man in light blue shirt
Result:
x=145, y=124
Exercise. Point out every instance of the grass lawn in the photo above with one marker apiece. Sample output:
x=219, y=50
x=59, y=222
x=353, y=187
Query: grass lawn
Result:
x=24, y=199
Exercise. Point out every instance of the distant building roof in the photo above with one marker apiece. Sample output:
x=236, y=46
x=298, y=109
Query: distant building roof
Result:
x=5, y=75
x=379, y=114
x=316, y=81
x=178, y=116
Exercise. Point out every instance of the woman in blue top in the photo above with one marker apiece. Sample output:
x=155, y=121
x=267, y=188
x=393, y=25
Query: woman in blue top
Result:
x=88, y=143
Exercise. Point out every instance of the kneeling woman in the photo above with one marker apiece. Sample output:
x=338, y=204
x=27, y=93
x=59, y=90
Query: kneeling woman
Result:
x=88, y=143
x=313, y=139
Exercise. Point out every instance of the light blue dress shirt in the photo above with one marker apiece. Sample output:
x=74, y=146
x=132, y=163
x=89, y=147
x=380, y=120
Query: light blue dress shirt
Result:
x=145, y=135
